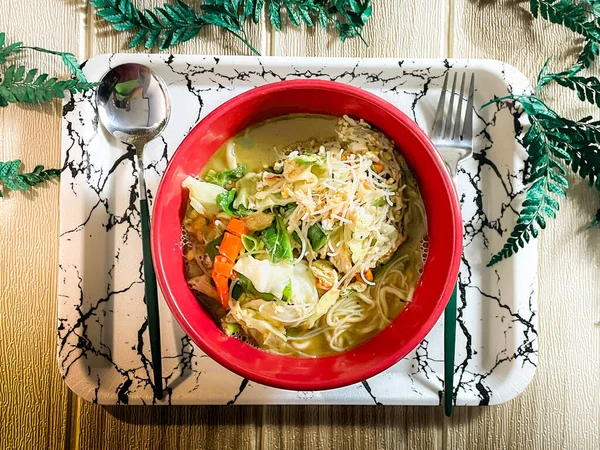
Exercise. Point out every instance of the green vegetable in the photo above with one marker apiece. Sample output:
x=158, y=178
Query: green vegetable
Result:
x=292, y=332
x=230, y=328
x=289, y=209
x=317, y=236
x=225, y=178
x=225, y=202
x=379, y=202
x=244, y=285
x=249, y=242
x=309, y=159
x=320, y=170
x=296, y=237
x=277, y=241
x=238, y=290
x=212, y=248
x=287, y=292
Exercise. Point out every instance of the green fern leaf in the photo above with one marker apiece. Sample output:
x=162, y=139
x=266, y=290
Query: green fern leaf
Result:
x=13, y=180
x=7, y=51
x=580, y=17
x=68, y=59
x=587, y=89
x=546, y=142
x=18, y=88
x=275, y=14
x=162, y=27
x=171, y=24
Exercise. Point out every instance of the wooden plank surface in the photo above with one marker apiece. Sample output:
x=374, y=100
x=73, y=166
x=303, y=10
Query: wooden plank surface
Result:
x=561, y=408
x=38, y=411
x=34, y=402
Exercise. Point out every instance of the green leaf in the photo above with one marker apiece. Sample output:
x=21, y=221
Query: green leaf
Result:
x=170, y=24
x=12, y=179
x=286, y=296
x=225, y=178
x=244, y=285
x=166, y=25
x=277, y=241
x=212, y=247
x=7, y=51
x=225, y=202
x=68, y=60
x=71, y=63
x=275, y=14
x=550, y=144
x=18, y=88
x=587, y=89
x=317, y=237
x=8, y=75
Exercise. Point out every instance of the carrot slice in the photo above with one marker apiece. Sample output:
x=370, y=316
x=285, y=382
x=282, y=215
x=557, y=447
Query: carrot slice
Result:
x=324, y=286
x=221, y=273
x=237, y=227
x=368, y=276
x=222, y=284
x=230, y=246
x=223, y=266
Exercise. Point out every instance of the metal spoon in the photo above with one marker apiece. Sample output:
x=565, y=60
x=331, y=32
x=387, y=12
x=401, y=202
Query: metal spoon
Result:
x=134, y=106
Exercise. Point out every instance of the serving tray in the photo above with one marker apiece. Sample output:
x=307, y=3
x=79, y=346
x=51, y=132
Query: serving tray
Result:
x=103, y=346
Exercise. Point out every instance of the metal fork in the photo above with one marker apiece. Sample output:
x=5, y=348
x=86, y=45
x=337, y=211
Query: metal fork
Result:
x=452, y=134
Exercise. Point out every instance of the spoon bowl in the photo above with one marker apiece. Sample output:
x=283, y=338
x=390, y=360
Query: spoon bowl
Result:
x=133, y=103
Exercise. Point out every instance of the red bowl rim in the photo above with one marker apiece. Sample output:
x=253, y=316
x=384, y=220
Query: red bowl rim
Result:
x=349, y=377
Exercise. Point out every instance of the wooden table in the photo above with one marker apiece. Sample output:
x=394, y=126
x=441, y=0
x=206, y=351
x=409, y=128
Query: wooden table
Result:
x=561, y=408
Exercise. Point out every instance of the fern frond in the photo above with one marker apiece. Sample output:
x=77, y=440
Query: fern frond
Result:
x=547, y=146
x=587, y=88
x=19, y=85
x=170, y=24
x=13, y=180
x=68, y=59
x=580, y=17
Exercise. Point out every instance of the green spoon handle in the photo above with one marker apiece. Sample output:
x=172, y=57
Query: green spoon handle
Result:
x=449, y=351
x=151, y=301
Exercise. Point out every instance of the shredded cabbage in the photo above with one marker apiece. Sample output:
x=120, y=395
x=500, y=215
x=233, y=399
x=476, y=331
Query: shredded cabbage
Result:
x=203, y=196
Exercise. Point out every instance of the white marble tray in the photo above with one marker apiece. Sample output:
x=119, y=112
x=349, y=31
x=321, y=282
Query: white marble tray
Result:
x=103, y=346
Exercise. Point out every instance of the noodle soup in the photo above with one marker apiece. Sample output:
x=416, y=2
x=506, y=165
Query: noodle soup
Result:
x=305, y=235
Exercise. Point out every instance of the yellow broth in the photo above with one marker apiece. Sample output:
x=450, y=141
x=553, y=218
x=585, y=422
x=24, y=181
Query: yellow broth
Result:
x=254, y=147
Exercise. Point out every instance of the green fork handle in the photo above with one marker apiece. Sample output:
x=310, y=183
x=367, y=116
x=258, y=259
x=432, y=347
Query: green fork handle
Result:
x=449, y=351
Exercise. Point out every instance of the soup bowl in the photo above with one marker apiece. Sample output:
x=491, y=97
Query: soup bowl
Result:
x=444, y=230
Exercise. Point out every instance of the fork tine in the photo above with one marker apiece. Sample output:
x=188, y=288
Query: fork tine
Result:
x=467, y=133
x=458, y=120
x=438, y=121
x=449, y=116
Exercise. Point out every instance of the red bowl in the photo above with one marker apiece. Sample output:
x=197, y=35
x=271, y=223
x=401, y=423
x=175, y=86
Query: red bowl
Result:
x=444, y=230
